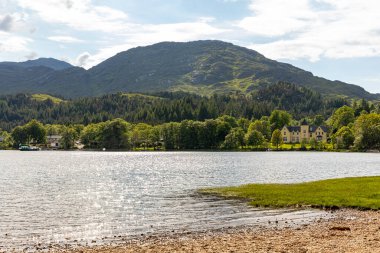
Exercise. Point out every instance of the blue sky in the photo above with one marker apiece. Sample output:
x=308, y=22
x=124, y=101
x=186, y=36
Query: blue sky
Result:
x=335, y=39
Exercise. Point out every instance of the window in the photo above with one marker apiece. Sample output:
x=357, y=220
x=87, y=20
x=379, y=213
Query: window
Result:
x=284, y=133
x=285, y=139
x=311, y=135
x=304, y=131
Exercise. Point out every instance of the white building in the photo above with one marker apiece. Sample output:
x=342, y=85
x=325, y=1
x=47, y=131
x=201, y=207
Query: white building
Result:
x=53, y=141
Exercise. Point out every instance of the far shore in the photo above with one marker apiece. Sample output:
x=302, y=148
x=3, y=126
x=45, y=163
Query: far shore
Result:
x=203, y=150
x=348, y=231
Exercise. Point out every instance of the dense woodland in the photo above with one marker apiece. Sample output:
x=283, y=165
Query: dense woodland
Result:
x=355, y=128
x=166, y=107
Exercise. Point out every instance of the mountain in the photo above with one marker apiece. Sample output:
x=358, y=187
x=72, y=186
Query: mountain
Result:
x=41, y=62
x=202, y=67
x=70, y=82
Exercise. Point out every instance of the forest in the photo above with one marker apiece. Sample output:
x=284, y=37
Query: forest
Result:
x=158, y=108
x=354, y=128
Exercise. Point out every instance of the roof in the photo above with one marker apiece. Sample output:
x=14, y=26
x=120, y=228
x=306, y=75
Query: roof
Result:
x=312, y=129
x=54, y=136
x=294, y=128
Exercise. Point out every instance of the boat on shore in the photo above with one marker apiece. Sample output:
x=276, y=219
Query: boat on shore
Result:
x=28, y=148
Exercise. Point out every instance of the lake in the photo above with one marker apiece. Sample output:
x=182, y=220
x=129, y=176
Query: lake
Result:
x=77, y=197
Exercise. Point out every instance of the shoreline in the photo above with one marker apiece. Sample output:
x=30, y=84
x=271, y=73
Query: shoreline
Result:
x=204, y=151
x=348, y=230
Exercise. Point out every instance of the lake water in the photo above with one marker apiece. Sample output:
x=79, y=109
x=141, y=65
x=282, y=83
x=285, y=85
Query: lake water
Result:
x=67, y=197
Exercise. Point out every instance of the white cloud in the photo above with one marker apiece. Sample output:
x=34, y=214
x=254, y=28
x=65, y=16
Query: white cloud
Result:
x=277, y=17
x=65, y=39
x=4, y=4
x=6, y=23
x=86, y=16
x=293, y=29
x=341, y=29
x=149, y=34
x=31, y=56
x=11, y=43
x=82, y=59
x=81, y=15
x=87, y=60
x=12, y=21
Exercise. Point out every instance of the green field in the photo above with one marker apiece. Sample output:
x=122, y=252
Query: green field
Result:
x=298, y=146
x=44, y=97
x=360, y=193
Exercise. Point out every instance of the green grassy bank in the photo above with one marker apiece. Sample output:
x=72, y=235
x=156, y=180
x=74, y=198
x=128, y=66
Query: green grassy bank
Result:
x=360, y=192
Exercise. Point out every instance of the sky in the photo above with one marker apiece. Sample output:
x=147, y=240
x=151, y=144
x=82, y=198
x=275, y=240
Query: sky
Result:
x=335, y=39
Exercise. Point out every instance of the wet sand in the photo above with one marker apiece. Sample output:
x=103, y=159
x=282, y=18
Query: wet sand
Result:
x=346, y=231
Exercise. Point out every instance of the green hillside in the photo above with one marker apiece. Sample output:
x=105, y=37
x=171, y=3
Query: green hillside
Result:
x=44, y=97
x=163, y=107
x=200, y=67
x=205, y=67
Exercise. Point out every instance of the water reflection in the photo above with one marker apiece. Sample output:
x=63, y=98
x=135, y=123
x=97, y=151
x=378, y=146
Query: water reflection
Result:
x=68, y=196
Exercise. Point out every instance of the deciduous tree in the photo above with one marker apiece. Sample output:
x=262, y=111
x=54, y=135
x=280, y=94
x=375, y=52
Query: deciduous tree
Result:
x=276, y=138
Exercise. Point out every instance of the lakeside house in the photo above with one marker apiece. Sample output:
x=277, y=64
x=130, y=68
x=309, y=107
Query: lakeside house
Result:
x=306, y=132
x=53, y=141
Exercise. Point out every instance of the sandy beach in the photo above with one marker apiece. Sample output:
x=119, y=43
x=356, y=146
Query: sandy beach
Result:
x=347, y=231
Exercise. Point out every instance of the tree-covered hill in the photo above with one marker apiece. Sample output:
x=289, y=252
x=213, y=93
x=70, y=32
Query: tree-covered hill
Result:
x=205, y=67
x=48, y=76
x=164, y=106
x=200, y=67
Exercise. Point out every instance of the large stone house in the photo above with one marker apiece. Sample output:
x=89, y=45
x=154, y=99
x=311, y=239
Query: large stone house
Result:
x=296, y=134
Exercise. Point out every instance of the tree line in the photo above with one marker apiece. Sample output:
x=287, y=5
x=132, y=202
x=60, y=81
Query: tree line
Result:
x=356, y=128
x=159, y=108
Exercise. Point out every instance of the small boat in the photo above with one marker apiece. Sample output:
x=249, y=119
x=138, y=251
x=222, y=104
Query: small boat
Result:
x=28, y=148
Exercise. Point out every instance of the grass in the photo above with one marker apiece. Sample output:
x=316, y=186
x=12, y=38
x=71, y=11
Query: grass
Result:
x=202, y=90
x=293, y=147
x=297, y=146
x=132, y=95
x=360, y=192
x=43, y=97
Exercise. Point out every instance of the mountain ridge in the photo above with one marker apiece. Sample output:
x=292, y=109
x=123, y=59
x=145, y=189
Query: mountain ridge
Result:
x=41, y=62
x=204, y=67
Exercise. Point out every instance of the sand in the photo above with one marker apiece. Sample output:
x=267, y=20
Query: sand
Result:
x=347, y=231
